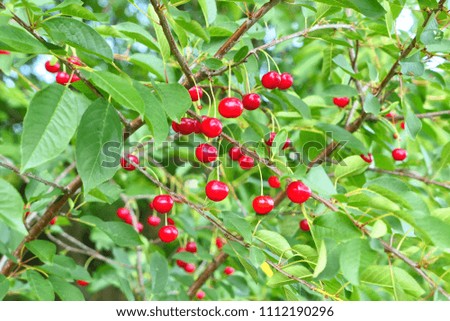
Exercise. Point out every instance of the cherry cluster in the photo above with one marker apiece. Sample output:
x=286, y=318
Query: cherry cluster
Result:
x=398, y=154
x=63, y=77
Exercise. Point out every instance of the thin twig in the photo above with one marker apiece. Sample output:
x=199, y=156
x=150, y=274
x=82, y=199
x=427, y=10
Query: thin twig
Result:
x=172, y=44
x=410, y=175
x=33, y=176
x=433, y=114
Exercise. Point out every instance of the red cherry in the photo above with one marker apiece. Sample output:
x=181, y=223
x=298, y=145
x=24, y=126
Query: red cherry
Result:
x=128, y=165
x=399, y=154
x=219, y=242
x=197, y=126
x=75, y=61
x=201, y=295
x=235, y=153
x=163, y=203
x=82, y=283
x=271, y=80
x=123, y=213
x=298, y=192
x=199, y=107
x=390, y=114
x=4, y=52
x=274, y=182
x=230, y=107
x=287, y=144
x=175, y=127
x=74, y=78
x=269, y=142
x=402, y=125
x=62, y=77
x=263, y=204
x=228, y=270
x=206, y=153
x=246, y=162
x=187, y=126
x=196, y=93
x=251, y=101
x=128, y=220
x=170, y=221
x=216, y=191
x=191, y=247
x=181, y=263
x=368, y=158
x=168, y=233
x=139, y=227
x=53, y=221
x=52, y=68
x=286, y=81
x=341, y=102
x=153, y=220
x=211, y=127
x=304, y=225
x=190, y=268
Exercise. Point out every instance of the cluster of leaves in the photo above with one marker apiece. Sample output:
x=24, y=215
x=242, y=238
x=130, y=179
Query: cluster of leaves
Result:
x=129, y=73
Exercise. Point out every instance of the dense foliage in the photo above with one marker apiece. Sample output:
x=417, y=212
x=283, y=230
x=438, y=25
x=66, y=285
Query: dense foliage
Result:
x=86, y=83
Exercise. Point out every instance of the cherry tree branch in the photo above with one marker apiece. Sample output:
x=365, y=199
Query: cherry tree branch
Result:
x=430, y=115
x=172, y=44
x=411, y=175
x=32, y=176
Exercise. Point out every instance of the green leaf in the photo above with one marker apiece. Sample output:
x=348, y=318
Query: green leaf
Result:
x=437, y=230
x=412, y=66
x=238, y=56
x=120, y=233
x=340, y=91
x=256, y=256
x=161, y=38
x=104, y=193
x=99, y=130
x=44, y=250
x=65, y=290
x=209, y=9
x=159, y=272
x=238, y=224
x=279, y=279
x=318, y=180
x=343, y=137
x=41, y=287
x=373, y=200
x=336, y=226
x=51, y=121
x=152, y=63
x=344, y=64
x=371, y=9
x=350, y=166
x=299, y=105
x=4, y=286
x=138, y=33
x=275, y=242
x=379, y=229
x=175, y=99
x=381, y=275
x=413, y=123
x=371, y=104
x=350, y=260
x=186, y=257
x=79, y=35
x=431, y=34
x=193, y=27
x=322, y=260
x=121, y=89
x=17, y=39
x=11, y=207
x=154, y=114
x=78, y=11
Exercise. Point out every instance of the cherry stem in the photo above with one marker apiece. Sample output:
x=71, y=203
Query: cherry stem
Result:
x=229, y=80
x=154, y=174
x=261, y=178
x=218, y=170
x=247, y=83
x=268, y=62
x=209, y=102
